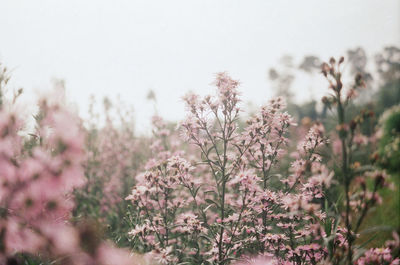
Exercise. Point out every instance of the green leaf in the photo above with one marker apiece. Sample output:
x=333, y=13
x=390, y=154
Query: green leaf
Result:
x=212, y=202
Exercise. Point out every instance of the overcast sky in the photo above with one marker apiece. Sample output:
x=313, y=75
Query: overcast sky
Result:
x=127, y=47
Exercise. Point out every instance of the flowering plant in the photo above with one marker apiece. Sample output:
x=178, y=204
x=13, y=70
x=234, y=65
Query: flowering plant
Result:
x=232, y=202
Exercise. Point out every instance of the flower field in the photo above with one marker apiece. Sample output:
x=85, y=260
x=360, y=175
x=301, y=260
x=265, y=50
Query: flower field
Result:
x=223, y=186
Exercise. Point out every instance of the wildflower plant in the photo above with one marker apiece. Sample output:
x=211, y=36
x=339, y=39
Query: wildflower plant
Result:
x=112, y=157
x=360, y=183
x=36, y=186
x=230, y=205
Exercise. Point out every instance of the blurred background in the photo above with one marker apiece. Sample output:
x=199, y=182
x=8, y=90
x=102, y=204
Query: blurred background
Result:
x=150, y=53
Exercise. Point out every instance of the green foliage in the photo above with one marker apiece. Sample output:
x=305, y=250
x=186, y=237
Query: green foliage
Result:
x=384, y=218
x=388, y=95
x=389, y=144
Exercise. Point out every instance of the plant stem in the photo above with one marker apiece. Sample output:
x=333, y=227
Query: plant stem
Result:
x=346, y=177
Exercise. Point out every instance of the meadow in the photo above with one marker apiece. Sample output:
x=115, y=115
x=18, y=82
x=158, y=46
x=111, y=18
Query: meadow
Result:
x=287, y=183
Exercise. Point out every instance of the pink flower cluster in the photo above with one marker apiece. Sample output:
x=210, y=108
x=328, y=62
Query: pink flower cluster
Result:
x=38, y=177
x=109, y=163
x=36, y=184
x=378, y=256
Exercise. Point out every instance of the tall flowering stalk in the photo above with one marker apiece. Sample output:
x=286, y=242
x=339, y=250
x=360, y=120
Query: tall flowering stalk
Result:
x=267, y=133
x=212, y=126
x=361, y=183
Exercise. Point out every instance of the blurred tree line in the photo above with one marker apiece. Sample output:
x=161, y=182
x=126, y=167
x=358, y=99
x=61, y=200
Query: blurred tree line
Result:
x=382, y=80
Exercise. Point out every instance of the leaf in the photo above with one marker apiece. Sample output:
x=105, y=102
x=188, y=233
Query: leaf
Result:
x=377, y=229
x=210, y=191
x=358, y=254
x=212, y=202
x=207, y=238
x=366, y=242
x=364, y=168
x=208, y=207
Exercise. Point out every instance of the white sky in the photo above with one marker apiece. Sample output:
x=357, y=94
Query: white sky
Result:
x=122, y=47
